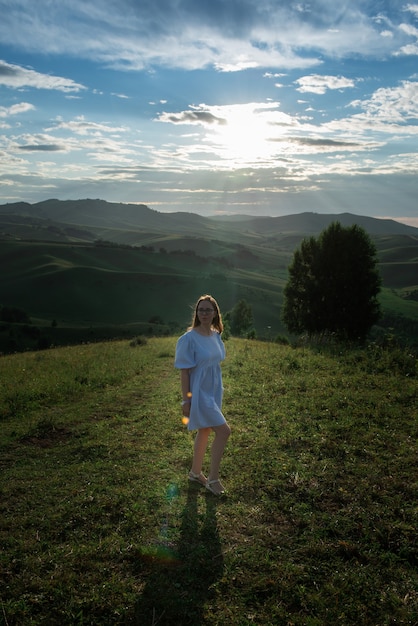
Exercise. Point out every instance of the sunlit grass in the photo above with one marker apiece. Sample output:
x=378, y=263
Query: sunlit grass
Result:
x=98, y=524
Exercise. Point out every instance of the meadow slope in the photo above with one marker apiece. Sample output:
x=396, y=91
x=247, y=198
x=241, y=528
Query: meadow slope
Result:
x=84, y=270
x=99, y=525
x=88, y=286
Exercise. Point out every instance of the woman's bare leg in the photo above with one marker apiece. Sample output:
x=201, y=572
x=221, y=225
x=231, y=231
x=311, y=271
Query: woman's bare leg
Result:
x=200, y=445
x=221, y=437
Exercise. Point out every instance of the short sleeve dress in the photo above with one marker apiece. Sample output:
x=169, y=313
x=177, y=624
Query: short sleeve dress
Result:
x=202, y=355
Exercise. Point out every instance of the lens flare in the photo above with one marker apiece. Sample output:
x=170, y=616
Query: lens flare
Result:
x=185, y=420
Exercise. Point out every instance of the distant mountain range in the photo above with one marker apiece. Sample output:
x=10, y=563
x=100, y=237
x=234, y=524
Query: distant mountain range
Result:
x=93, y=218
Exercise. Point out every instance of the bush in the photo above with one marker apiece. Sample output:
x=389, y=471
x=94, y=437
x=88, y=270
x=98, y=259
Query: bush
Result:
x=138, y=341
x=14, y=315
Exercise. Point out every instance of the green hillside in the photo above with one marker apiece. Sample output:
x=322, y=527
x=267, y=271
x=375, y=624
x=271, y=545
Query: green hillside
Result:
x=131, y=275
x=91, y=285
x=97, y=287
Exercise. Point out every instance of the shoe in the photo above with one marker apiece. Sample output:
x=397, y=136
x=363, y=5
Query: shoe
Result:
x=198, y=478
x=216, y=492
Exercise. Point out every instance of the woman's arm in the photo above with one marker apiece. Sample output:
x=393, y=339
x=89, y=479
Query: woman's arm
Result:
x=185, y=385
x=185, y=392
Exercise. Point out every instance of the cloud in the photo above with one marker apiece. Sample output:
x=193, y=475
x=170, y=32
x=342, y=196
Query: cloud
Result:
x=325, y=143
x=392, y=105
x=230, y=36
x=409, y=50
x=199, y=116
x=18, y=77
x=52, y=147
x=91, y=148
x=315, y=83
x=16, y=109
x=81, y=126
x=412, y=8
x=409, y=30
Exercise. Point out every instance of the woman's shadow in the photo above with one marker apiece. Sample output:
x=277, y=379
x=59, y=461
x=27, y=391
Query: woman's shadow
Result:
x=179, y=585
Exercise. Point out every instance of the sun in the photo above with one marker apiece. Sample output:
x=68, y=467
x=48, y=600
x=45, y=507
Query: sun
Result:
x=249, y=134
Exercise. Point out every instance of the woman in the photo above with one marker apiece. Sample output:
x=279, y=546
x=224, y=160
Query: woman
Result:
x=198, y=355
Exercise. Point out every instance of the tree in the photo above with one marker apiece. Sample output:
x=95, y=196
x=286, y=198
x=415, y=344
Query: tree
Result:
x=240, y=318
x=333, y=285
x=13, y=314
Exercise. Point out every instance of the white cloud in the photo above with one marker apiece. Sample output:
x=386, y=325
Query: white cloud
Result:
x=409, y=30
x=315, y=83
x=412, y=8
x=230, y=36
x=393, y=105
x=16, y=109
x=18, y=77
x=81, y=126
x=409, y=50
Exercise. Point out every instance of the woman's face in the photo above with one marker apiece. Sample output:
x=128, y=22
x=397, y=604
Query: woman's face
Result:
x=205, y=311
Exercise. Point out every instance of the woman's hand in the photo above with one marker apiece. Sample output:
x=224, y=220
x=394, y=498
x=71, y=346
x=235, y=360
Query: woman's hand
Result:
x=186, y=409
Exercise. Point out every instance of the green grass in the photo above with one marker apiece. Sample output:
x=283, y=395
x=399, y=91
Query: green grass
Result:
x=99, y=526
x=392, y=302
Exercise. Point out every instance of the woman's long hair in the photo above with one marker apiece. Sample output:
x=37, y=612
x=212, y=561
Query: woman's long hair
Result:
x=217, y=320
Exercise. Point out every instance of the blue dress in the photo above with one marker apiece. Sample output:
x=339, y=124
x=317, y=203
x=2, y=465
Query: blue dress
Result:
x=202, y=355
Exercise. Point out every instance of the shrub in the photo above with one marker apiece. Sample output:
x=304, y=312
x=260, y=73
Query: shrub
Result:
x=138, y=341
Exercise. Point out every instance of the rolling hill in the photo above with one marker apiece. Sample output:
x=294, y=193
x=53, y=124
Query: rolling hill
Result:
x=91, y=264
x=98, y=217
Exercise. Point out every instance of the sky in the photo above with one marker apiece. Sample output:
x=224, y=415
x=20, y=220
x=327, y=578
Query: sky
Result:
x=215, y=107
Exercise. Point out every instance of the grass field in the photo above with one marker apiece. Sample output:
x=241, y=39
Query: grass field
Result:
x=99, y=525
